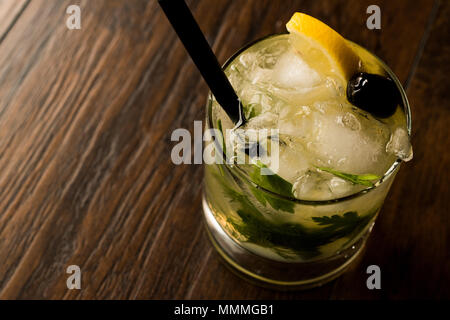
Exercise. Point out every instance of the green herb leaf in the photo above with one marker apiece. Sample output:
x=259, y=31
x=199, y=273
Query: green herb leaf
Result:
x=290, y=239
x=337, y=223
x=272, y=183
x=237, y=197
x=293, y=236
x=251, y=110
x=362, y=179
x=219, y=126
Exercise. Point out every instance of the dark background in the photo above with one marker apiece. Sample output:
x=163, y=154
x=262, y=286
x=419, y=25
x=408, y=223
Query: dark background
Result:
x=85, y=171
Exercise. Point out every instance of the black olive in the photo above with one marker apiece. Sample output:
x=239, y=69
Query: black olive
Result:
x=373, y=93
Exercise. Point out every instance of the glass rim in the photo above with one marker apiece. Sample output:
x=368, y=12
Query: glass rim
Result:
x=389, y=172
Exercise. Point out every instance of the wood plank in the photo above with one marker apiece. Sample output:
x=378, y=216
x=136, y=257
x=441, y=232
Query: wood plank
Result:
x=98, y=168
x=10, y=11
x=94, y=125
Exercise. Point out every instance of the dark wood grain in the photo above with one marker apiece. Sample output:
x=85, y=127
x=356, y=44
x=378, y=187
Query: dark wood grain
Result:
x=10, y=11
x=85, y=172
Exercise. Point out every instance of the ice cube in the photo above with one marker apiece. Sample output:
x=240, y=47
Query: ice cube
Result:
x=247, y=60
x=296, y=123
x=269, y=55
x=350, y=121
x=400, y=145
x=292, y=159
x=347, y=141
x=265, y=120
x=312, y=185
x=292, y=71
x=340, y=187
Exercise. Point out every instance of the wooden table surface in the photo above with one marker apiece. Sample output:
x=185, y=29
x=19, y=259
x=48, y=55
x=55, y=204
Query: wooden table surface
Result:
x=85, y=172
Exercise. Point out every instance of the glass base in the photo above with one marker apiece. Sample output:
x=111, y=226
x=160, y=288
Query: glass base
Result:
x=275, y=274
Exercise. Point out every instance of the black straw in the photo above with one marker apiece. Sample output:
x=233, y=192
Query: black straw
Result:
x=198, y=48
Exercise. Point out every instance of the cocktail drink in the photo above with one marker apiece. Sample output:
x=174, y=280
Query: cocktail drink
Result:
x=303, y=180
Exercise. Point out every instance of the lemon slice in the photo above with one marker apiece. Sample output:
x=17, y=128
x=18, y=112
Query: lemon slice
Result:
x=321, y=47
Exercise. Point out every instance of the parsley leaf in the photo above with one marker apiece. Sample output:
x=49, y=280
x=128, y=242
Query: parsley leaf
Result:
x=303, y=241
x=290, y=239
x=271, y=182
x=274, y=183
x=224, y=146
x=251, y=110
x=339, y=224
x=362, y=179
